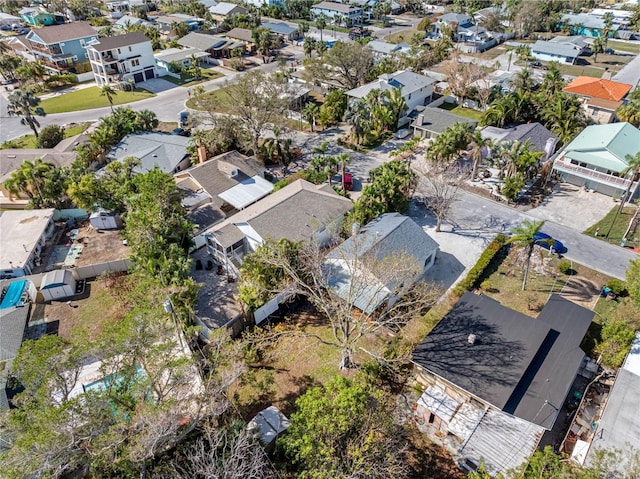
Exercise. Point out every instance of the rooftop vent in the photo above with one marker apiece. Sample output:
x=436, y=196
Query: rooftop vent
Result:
x=471, y=339
x=233, y=173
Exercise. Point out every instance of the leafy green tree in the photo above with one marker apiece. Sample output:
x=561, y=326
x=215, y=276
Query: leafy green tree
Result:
x=523, y=238
x=630, y=111
x=333, y=108
x=348, y=64
x=40, y=182
x=25, y=104
x=617, y=335
x=50, y=136
x=344, y=429
x=447, y=146
x=633, y=280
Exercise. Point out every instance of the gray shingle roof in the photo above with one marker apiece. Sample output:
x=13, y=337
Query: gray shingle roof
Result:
x=64, y=32
x=437, y=120
x=202, y=41
x=12, y=324
x=153, y=149
x=224, y=8
x=536, y=133
x=568, y=50
x=336, y=7
x=406, y=80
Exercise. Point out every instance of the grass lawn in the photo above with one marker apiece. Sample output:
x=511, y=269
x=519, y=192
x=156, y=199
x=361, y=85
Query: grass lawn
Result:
x=459, y=110
x=206, y=76
x=624, y=47
x=88, y=98
x=619, y=228
x=402, y=35
x=29, y=141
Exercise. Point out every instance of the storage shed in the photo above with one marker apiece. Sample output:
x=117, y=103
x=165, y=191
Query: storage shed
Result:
x=58, y=284
x=268, y=425
x=105, y=220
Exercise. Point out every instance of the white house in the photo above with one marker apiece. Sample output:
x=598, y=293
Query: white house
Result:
x=416, y=89
x=565, y=53
x=348, y=14
x=123, y=59
x=23, y=234
x=359, y=269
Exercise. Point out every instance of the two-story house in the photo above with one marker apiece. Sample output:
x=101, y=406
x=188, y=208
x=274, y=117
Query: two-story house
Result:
x=61, y=48
x=348, y=14
x=601, y=97
x=124, y=58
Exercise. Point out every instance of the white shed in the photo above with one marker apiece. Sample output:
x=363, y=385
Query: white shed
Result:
x=105, y=220
x=268, y=425
x=58, y=284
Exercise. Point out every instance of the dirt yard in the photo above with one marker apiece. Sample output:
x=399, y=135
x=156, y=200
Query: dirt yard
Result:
x=100, y=246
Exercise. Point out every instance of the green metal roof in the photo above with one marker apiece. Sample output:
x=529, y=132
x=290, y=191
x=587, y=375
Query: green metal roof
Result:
x=605, y=146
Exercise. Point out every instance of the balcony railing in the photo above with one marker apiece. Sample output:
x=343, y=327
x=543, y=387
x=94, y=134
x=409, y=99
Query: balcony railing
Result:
x=58, y=66
x=48, y=50
x=621, y=183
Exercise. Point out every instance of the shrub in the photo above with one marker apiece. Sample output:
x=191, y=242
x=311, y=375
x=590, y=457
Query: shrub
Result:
x=617, y=287
x=50, y=136
x=483, y=262
x=616, y=341
x=486, y=285
x=565, y=267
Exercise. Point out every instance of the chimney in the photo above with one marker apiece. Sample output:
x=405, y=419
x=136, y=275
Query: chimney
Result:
x=549, y=148
x=202, y=154
x=420, y=119
x=471, y=339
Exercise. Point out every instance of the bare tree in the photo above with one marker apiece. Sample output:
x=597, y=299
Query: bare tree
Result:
x=459, y=76
x=484, y=87
x=225, y=454
x=357, y=292
x=439, y=190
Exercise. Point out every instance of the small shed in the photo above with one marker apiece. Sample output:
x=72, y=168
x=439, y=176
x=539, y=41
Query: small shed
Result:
x=268, y=425
x=105, y=220
x=58, y=284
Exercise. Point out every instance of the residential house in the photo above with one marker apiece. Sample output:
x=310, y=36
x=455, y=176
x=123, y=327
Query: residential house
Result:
x=416, y=89
x=548, y=51
x=23, y=234
x=128, y=21
x=472, y=37
x=61, y=48
x=124, y=59
x=300, y=211
x=8, y=19
x=600, y=97
x=590, y=25
x=629, y=73
x=282, y=30
x=618, y=427
x=382, y=49
x=224, y=10
x=265, y=3
x=40, y=17
x=166, y=152
x=216, y=47
x=496, y=380
x=361, y=269
x=165, y=23
x=347, y=14
x=221, y=186
x=168, y=58
x=242, y=35
x=539, y=137
x=597, y=156
x=430, y=122
x=368, y=6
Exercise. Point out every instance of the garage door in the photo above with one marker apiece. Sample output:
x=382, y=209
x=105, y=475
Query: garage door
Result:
x=138, y=77
x=149, y=74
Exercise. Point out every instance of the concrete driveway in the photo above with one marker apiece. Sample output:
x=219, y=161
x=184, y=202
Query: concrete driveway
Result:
x=157, y=85
x=573, y=207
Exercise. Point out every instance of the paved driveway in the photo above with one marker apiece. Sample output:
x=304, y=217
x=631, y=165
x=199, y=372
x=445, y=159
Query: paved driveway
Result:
x=157, y=85
x=574, y=207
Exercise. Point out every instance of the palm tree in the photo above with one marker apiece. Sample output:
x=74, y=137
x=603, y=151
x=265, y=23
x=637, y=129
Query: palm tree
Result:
x=109, y=92
x=563, y=115
x=396, y=103
x=24, y=103
x=478, y=144
x=553, y=81
x=524, y=237
x=321, y=23
x=310, y=114
x=344, y=159
x=30, y=179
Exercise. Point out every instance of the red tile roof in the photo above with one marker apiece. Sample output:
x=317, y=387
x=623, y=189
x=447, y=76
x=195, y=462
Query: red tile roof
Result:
x=598, y=88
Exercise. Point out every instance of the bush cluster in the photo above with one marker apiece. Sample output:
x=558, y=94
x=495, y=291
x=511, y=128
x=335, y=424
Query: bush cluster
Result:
x=565, y=266
x=617, y=287
x=483, y=262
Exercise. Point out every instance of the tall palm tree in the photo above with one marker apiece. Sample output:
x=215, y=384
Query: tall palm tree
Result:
x=524, y=237
x=29, y=179
x=321, y=23
x=396, y=103
x=553, y=81
x=478, y=144
x=310, y=114
x=25, y=104
x=109, y=92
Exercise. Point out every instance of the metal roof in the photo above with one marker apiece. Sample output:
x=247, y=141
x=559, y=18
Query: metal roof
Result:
x=439, y=403
x=280, y=28
x=55, y=278
x=268, y=423
x=503, y=442
x=247, y=192
x=521, y=365
x=177, y=55
x=605, y=145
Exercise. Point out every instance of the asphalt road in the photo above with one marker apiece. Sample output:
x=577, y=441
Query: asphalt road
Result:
x=477, y=216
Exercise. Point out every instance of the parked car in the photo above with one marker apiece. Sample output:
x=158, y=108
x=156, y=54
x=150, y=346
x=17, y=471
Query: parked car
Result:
x=5, y=28
x=609, y=51
x=538, y=65
x=547, y=242
x=348, y=181
x=359, y=32
x=181, y=132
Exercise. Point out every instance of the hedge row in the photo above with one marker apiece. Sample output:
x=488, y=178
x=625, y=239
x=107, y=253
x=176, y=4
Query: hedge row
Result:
x=483, y=262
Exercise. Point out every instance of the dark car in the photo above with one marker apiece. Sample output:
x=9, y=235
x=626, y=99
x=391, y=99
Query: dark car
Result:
x=547, y=242
x=181, y=132
x=358, y=32
x=5, y=28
